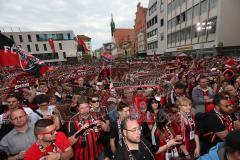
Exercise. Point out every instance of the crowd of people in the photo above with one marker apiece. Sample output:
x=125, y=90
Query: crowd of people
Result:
x=150, y=109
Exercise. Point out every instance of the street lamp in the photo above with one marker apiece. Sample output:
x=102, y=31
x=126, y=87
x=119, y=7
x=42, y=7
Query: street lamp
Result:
x=203, y=26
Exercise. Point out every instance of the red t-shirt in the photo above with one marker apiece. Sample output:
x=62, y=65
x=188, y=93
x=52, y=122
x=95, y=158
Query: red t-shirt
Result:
x=62, y=143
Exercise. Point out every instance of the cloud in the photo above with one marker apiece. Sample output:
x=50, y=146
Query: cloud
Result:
x=89, y=17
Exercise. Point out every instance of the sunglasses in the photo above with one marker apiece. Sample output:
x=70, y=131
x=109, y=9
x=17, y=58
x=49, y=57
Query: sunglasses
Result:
x=227, y=97
x=95, y=101
x=50, y=132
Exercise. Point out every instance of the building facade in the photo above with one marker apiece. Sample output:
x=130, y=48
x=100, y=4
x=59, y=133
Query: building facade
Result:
x=196, y=27
x=125, y=42
x=37, y=43
x=140, y=30
x=156, y=27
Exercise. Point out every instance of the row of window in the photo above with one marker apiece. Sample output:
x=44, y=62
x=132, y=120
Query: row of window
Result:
x=204, y=5
x=191, y=32
x=152, y=9
x=152, y=22
x=174, y=5
x=188, y=15
x=47, y=56
x=44, y=47
x=152, y=45
x=141, y=48
x=46, y=37
x=152, y=33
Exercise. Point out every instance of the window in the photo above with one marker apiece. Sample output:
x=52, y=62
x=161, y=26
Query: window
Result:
x=213, y=3
x=152, y=22
x=173, y=38
x=59, y=36
x=29, y=38
x=64, y=55
x=173, y=22
x=45, y=47
x=161, y=7
x=174, y=5
x=213, y=23
x=194, y=32
x=37, y=48
x=155, y=19
x=196, y=11
x=182, y=35
x=188, y=33
x=169, y=39
x=153, y=45
x=20, y=38
x=162, y=22
x=152, y=33
x=169, y=24
x=11, y=36
x=181, y=2
x=60, y=46
x=177, y=3
x=178, y=36
x=183, y=17
x=204, y=6
x=38, y=38
x=189, y=14
x=162, y=36
x=153, y=8
x=28, y=48
x=169, y=8
x=178, y=20
x=69, y=36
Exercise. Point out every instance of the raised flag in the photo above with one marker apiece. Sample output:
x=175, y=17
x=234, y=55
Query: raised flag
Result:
x=81, y=43
x=51, y=43
x=12, y=55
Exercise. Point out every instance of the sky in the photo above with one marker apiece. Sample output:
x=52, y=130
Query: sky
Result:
x=88, y=17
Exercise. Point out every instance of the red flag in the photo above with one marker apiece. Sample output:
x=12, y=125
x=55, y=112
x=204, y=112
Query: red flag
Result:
x=9, y=58
x=81, y=42
x=51, y=43
x=11, y=55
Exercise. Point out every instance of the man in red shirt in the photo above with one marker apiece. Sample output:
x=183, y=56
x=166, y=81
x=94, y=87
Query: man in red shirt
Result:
x=50, y=144
x=84, y=130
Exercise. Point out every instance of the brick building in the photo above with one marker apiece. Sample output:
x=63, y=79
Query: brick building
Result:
x=140, y=30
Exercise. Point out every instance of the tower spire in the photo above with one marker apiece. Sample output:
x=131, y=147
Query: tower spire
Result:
x=112, y=25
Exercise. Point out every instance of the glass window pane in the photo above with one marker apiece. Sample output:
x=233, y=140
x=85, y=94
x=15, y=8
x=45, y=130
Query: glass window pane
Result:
x=196, y=11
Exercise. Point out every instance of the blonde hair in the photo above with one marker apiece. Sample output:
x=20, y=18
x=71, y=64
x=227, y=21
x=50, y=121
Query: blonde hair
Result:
x=183, y=101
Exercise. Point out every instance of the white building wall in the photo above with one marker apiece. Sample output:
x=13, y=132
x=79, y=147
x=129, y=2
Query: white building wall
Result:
x=68, y=46
x=161, y=36
x=228, y=24
x=224, y=13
